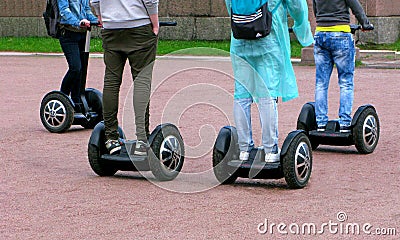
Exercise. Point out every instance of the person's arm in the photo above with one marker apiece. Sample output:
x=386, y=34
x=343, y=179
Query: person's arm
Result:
x=155, y=23
x=228, y=4
x=314, y=5
x=152, y=9
x=96, y=6
x=298, y=10
x=358, y=11
x=66, y=14
x=89, y=14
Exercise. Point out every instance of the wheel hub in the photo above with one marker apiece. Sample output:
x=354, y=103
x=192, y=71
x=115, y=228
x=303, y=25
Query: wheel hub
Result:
x=303, y=161
x=170, y=152
x=370, y=130
x=54, y=113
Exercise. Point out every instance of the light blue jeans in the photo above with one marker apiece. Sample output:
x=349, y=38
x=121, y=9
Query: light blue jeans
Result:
x=334, y=48
x=267, y=108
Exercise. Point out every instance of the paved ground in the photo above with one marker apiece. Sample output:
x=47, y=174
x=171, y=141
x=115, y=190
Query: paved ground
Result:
x=48, y=190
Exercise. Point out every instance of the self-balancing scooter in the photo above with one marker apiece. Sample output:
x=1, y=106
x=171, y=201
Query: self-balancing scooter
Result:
x=164, y=159
x=364, y=132
x=295, y=163
x=57, y=110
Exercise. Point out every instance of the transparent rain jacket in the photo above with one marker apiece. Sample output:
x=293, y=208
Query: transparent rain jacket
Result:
x=262, y=67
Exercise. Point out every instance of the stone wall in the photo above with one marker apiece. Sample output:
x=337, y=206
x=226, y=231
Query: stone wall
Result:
x=197, y=19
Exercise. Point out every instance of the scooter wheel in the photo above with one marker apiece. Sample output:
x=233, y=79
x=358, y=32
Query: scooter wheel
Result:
x=167, y=154
x=96, y=148
x=97, y=166
x=56, y=113
x=94, y=100
x=301, y=126
x=224, y=173
x=297, y=162
x=366, y=131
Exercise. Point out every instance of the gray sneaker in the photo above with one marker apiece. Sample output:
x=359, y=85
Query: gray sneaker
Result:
x=141, y=148
x=113, y=146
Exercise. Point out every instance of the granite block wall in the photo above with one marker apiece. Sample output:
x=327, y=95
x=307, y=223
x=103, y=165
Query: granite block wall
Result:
x=197, y=19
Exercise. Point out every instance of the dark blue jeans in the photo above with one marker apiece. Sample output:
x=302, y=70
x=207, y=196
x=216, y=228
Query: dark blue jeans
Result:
x=73, y=45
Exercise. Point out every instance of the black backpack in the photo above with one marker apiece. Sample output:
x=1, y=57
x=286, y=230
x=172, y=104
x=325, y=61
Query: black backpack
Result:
x=52, y=18
x=253, y=26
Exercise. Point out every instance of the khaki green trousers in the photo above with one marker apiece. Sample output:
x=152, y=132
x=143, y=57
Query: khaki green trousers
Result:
x=138, y=46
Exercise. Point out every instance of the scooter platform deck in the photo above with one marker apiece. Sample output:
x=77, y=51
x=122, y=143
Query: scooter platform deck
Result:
x=329, y=134
x=331, y=138
x=253, y=164
x=256, y=167
x=127, y=162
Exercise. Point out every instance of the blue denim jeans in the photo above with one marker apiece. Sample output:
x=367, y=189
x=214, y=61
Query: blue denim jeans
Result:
x=73, y=45
x=268, y=112
x=334, y=48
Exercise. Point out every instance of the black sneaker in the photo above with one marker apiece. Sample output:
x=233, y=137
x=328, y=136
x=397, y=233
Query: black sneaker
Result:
x=140, y=148
x=345, y=129
x=321, y=128
x=113, y=146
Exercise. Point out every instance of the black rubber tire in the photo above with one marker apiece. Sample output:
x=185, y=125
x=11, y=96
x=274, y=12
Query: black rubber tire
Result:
x=56, y=113
x=166, y=165
x=94, y=100
x=314, y=144
x=366, y=131
x=224, y=173
x=297, y=162
x=99, y=168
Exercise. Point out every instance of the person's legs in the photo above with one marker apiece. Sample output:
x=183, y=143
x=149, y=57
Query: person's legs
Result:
x=76, y=87
x=69, y=42
x=268, y=111
x=344, y=57
x=142, y=62
x=115, y=62
x=324, y=67
x=242, y=116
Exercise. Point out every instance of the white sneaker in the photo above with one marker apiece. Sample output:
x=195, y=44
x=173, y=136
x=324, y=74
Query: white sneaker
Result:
x=244, y=156
x=273, y=157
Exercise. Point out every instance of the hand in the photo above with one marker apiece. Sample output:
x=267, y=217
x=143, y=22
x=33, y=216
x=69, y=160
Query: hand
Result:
x=156, y=30
x=100, y=21
x=368, y=27
x=84, y=23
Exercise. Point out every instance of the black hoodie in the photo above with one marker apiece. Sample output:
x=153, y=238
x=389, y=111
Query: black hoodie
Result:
x=336, y=12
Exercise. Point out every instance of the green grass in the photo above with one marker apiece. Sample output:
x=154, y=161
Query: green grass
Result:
x=392, y=46
x=177, y=47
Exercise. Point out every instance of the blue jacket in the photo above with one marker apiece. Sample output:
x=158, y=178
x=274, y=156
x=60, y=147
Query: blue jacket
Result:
x=73, y=11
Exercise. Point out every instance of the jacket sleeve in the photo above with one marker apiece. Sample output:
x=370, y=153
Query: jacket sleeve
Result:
x=228, y=6
x=66, y=13
x=151, y=6
x=89, y=14
x=298, y=10
x=96, y=6
x=358, y=11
